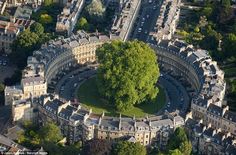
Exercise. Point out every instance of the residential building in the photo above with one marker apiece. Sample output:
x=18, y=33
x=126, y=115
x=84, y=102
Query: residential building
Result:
x=167, y=20
x=22, y=110
x=125, y=17
x=8, y=33
x=77, y=123
x=68, y=18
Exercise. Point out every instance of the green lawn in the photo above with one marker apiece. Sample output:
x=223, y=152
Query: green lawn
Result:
x=89, y=97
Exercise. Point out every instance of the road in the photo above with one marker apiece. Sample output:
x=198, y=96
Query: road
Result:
x=67, y=86
x=5, y=116
x=147, y=19
x=178, y=98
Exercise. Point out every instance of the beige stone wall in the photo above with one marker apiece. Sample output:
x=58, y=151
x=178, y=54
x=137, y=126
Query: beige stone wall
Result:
x=34, y=90
x=179, y=67
x=81, y=54
x=22, y=112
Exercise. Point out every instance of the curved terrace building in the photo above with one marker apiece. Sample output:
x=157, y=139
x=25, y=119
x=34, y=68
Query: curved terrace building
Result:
x=201, y=76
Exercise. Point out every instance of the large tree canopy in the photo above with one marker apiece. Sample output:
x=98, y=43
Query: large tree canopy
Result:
x=97, y=147
x=50, y=133
x=128, y=148
x=37, y=28
x=179, y=142
x=95, y=8
x=128, y=73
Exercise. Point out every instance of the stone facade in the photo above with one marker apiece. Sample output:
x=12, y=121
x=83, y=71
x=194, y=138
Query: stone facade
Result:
x=205, y=81
x=67, y=19
x=77, y=123
x=167, y=20
x=22, y=111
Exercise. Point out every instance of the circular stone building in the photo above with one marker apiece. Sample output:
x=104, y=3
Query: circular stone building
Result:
x=194, y=68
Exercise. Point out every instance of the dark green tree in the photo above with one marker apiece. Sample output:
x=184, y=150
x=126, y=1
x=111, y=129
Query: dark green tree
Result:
x=82, y=24
x=2, y=87
x=23, y=46
x=95, y=9
x=175, y=152
x=179, y=141
x=45, y=19
x=207, y=11
x=37, y=28
x=25, y=41
x=50, y=133
x=48, y=2
x=229, y=45
x=128, y=148
x=127, y=74
x=97, y=147
x=52, y=148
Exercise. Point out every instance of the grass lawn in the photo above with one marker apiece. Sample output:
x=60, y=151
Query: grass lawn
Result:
x=89, y=97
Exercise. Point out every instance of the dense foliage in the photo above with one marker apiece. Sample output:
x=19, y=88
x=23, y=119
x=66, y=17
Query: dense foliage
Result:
x=47, y=15
x=127, y=74
x=179, y=143
x=96, y=17
x=212, y=26
x=82, y=24
x=47, y=137
x=97, y=147
x=128, y=148
x=26, y=42
x=95, y=9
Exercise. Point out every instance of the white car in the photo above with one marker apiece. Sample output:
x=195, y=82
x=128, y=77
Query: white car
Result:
x=75, y=84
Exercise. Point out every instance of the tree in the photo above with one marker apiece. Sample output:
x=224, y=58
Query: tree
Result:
x=97, y=147
x=48, y=2
x=179, y=142
x=37, y=28
x=229, y=45
x=196, y=29
x=95, y=9
x=129, y=148
x=186, y=147
x=211, y=40
x=82, y=24
x=175, y=152
x=2, y=87
x=45, y=19
x=127, y=74
x=207, y=11
x=50, y=133
x=72, y=149
x=25, y=43
x=52, y=148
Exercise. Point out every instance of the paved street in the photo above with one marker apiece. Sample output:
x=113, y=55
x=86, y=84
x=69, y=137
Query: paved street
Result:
x=66, y=87
x=147, y=19
x=5, y=114
x=178, y=98
x=6, y=68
